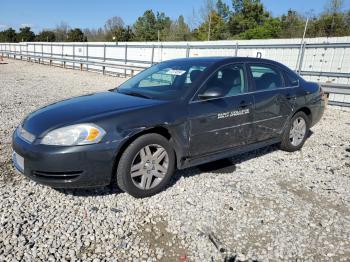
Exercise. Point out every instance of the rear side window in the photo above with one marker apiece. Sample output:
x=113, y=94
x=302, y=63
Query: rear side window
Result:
x=291, y=79
x=266, y=77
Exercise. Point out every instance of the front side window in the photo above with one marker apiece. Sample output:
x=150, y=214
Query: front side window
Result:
x=166, y=81
x=230, y=80
x=266, y=77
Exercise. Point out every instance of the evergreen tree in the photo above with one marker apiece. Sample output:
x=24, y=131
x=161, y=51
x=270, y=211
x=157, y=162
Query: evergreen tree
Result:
x=8, y=36
x=223, y=10
x=45, y=36
x=76, y=35
x=25, y=35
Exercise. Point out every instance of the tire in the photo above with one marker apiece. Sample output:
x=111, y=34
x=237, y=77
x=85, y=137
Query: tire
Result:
x=139, y=172
x=294, y=139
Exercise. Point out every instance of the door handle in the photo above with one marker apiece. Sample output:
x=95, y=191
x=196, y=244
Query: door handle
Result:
x=245, y=104
x=291, y=97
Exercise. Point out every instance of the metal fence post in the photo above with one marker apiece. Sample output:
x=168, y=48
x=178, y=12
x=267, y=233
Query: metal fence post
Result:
x=126, y=54
x=298, y=58
x=301, y=57
x=161, y=53
x=152, y=58
x=188, y=50
x=104, y=52
x=34, y=52
x=62, y=50
x=87, y=56
x=126, y=57
x=236, y=50
x=73, y=56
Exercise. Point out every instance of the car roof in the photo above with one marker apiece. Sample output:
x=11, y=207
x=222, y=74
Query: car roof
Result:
x=223, y=59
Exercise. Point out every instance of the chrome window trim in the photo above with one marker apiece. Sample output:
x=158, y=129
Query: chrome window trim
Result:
x=248, y=93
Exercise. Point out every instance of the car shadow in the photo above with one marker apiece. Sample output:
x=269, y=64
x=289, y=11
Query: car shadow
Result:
x=222, y=166
x=99, y=191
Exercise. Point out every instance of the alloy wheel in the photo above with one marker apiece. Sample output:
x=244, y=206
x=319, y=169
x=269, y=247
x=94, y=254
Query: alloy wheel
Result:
x=297, y=131
x=149, y=166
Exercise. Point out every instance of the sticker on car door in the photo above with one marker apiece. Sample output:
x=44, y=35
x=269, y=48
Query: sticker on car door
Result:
x=233, y=113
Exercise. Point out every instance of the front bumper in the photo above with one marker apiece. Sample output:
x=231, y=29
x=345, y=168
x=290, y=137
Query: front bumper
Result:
x=66, y=167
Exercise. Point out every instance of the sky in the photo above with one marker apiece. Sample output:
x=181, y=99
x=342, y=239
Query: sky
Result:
x=41, y=14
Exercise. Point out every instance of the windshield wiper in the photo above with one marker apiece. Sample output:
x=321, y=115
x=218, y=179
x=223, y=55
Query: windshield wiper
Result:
x=135, y=94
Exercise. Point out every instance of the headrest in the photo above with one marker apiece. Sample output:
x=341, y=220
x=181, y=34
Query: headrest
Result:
x=230, y=76
x=194, y=75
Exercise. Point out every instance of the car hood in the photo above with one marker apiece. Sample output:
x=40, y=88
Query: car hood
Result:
x=78, y=109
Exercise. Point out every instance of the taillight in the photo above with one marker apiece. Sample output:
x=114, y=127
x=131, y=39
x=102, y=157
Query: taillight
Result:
x=322, y=94
x=321, y=91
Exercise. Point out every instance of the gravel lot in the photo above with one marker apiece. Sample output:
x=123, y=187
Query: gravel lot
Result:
x=264, y=205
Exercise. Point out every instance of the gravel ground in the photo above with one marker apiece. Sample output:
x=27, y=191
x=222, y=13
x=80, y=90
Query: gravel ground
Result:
x=264, y=205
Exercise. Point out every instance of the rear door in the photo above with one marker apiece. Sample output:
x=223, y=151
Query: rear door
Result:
x=224, y=122
x=274, y=100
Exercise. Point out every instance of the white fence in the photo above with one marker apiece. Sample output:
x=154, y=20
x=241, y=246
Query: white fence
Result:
x=324, y=60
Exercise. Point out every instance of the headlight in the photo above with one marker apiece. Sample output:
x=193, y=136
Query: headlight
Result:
x=81, y=134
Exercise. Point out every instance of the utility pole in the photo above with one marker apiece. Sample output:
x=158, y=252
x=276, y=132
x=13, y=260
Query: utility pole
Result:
x=301, y=47
x=209, y=26
x=306, y=24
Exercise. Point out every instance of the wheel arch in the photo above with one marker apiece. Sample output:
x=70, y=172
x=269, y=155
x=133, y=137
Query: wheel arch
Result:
x=161, y=130
x=307, y=112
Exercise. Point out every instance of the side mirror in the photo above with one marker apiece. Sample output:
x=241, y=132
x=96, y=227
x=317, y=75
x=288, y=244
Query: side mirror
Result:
x=212, y=92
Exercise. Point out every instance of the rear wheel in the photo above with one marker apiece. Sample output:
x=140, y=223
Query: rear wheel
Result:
x=146, y=166
x=296, y=132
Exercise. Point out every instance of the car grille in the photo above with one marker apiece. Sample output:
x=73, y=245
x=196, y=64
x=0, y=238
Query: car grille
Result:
x=57, y=175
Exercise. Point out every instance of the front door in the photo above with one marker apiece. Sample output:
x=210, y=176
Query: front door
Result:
x=222, y=122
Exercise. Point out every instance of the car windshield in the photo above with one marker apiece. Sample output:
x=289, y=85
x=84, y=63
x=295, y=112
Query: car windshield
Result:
x=165, y=81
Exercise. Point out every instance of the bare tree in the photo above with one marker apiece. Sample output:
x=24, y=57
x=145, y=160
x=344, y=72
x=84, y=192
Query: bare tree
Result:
x=61, y=31
x=193, y=20
x=334, y=6
x=206, y=9
x=114, y=23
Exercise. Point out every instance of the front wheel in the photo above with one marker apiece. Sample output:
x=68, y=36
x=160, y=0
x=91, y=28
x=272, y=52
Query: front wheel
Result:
x=146, y=166
x=296, y=132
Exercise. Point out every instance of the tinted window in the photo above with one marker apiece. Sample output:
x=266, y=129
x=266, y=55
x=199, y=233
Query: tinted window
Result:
x=193, y=73
x=230, y=79
x=266, y=77
x=292, y=79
